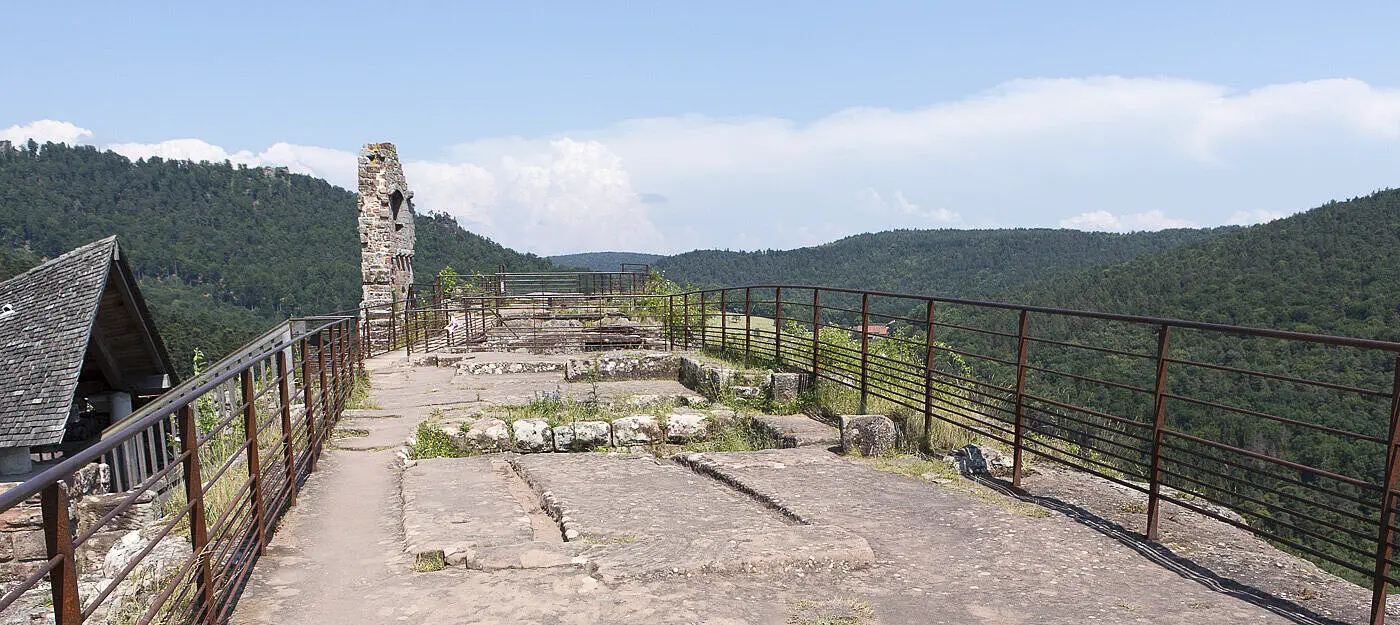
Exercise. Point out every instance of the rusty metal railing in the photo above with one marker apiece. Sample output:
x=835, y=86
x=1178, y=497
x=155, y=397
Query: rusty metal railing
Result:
x=539, y=323
x=245, y=434
x=1295, y=432
x=1291, y=436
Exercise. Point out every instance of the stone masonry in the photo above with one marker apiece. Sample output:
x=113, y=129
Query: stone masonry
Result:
x=386, y=226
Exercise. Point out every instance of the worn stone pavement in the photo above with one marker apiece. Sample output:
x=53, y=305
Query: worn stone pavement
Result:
x=936, y=555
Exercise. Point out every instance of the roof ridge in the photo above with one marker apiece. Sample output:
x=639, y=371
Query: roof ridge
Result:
x=110, y=241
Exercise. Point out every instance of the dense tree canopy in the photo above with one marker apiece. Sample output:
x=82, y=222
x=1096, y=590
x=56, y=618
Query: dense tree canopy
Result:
x=604, y=261
x=950, y=263
x=222, y=251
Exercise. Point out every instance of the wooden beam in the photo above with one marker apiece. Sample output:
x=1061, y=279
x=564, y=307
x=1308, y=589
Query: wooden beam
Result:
x=111, y=369
x=149, y=383
x=129, y=300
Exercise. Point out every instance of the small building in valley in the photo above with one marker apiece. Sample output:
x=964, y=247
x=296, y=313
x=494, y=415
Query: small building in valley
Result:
x=78, y=351
x=874, y=329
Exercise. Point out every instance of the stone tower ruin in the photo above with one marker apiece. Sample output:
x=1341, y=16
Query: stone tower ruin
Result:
x=386, y=226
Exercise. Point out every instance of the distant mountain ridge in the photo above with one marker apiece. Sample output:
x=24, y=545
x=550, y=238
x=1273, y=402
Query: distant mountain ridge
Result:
x=951, y=263
x=603, y=261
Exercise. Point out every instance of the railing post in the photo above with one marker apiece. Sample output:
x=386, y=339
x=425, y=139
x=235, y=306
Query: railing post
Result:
x=748, y=324
x=1020, y=435
x=58, y=539
x=369, y=336
x=670, y=322
x=685, y=319
x=777, y=326
x=284, y=398
x=250, y=431
x=704, y=325
x=336, y=382
x=407, y=333
x=308, y=400
x=354, y=340
x=347, y=364
x=1159, y=418
x=864, y=350
x=360, y=328
x=325, y=388
x=1384, y=549
x=928, y=379
x=723, y=322
x=194, y=495
x=393, y=320
x=816, y=334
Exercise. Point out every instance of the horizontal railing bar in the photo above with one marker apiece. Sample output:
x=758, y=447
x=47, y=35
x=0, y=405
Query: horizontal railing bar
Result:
x=1282, y=378
x=1279, y=461
x=1094, y=348
x=1167, y=445
x=1090, y=411
x=1156, y=321
x=1275, y=418
x=1084, y=378
x=1227, y=493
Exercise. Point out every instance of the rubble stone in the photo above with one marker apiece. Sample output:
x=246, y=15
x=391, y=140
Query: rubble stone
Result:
x=533, y=436
x=638, y=429
x=784, y=387
x=868, y=435
x=489, y=434
x=582, y=436
x=684, y=427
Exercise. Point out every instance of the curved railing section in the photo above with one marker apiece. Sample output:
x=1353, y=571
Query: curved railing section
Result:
x=238, y=439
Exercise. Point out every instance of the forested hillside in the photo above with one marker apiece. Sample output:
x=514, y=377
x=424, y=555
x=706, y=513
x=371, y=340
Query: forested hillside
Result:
x=1334, y=269
x=603, y=261
x=950, y=263
x=222, y=251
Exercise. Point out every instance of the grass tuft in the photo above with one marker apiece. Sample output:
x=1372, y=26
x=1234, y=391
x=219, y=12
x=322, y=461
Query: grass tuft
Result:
x=429, y=441
x=429, y=562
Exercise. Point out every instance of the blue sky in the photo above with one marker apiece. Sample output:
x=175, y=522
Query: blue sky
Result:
x=572, y=126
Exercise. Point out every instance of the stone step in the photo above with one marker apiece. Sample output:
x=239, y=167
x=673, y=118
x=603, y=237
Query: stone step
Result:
x=455, y=506
x=798, y=430
x=531, y=555
x=642, y=517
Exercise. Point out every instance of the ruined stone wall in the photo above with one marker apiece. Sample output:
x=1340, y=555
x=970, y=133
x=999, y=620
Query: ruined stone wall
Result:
x=22, y=546
x=386, y=226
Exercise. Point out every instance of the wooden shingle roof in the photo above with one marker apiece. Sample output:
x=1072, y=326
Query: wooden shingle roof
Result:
x=46, y=321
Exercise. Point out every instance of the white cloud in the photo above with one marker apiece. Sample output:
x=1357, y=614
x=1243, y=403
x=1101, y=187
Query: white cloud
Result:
x=1119, y=154
x=182, y=149
x=1099, y=221
x=1017, y=155
x=936, y=215
x=902, y=211
x=46, y=130
x=1104, y=221
x=1251, y=217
